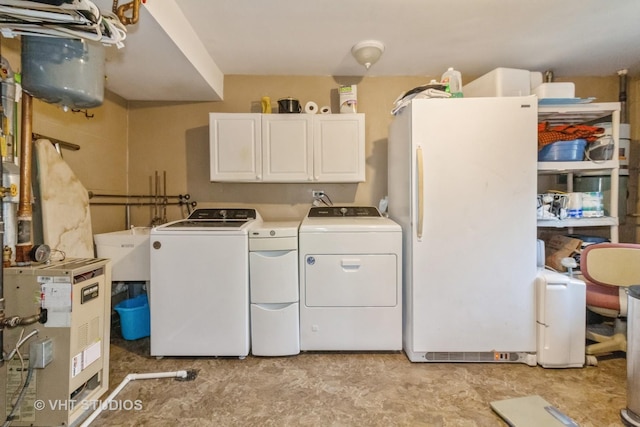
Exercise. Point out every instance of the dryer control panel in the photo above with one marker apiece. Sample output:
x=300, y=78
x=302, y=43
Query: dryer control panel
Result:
x=343, y=211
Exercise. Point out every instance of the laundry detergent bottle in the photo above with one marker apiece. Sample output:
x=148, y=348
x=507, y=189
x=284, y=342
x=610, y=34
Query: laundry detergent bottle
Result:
x=453, y=80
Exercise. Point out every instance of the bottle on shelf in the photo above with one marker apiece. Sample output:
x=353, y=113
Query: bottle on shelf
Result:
x=453, y=80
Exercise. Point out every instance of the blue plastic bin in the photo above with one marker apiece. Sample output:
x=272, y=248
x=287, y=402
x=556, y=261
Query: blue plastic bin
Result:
x=135, y=321
x=563, y=151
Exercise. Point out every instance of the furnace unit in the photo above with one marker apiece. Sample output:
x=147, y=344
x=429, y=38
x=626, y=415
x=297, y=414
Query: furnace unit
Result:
x=66, y=354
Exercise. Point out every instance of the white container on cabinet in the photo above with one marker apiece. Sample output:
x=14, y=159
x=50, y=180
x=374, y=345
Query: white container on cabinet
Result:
x=500, y=82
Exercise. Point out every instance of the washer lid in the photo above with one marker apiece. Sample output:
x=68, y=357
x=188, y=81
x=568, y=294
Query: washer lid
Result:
x=194, y=227
x=207, y=224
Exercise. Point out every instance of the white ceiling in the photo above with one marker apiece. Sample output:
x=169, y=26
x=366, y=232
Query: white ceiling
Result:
x=181, y=49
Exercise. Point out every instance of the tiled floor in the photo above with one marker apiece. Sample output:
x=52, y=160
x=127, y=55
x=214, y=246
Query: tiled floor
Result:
x=350, y=389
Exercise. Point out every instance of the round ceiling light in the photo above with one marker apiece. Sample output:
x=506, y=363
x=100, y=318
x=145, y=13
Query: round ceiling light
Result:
x=367, y=52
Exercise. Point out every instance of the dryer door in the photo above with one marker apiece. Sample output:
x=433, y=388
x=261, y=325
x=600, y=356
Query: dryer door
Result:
x=351, y=280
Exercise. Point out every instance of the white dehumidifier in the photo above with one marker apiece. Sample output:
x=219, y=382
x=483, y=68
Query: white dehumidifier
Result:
x=560, y=320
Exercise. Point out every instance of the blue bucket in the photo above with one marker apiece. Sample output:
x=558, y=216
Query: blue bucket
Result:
x=135, y=320
x=563, y=151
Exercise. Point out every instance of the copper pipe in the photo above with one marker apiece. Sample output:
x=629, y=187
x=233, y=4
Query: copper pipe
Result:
x=25, y=212
x=120, y=11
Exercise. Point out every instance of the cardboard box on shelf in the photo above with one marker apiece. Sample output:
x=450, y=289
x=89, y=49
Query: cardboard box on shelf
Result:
x=558, y=247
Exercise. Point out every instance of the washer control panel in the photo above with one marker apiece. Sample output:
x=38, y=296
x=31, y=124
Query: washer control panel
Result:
x=224, y=214
x=344, y=211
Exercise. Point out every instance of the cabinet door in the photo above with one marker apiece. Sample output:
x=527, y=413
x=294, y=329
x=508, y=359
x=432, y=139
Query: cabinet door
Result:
x=286, y=148
x=338, y=148
x=235, y=146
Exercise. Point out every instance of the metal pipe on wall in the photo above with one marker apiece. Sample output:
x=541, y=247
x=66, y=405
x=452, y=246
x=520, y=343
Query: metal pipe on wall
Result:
x=25, y=211
x=622, y=96
x=127, y=205
x=137, y=196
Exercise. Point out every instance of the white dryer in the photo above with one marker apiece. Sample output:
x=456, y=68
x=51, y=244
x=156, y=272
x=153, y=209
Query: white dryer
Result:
x=350, y=280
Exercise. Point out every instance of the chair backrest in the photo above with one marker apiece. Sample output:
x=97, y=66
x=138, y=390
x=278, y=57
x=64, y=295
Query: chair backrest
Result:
x=611, y=264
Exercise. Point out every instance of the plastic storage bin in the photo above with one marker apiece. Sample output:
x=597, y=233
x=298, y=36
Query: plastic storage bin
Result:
x=590, y=182
x=135, y=320
x=500, y=82
x=563, y=151
x=555, y=90
x=600, y=150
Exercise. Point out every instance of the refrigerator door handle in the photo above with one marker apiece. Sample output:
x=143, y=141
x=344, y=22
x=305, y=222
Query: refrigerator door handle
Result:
x=420, y=190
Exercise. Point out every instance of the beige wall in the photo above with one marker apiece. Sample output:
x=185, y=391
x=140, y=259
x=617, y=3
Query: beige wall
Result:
x=101, y=163
x=174, y=138
x=125, y=145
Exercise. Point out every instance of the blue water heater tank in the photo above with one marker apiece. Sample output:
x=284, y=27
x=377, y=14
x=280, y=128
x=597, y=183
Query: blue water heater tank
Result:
x=68, y=72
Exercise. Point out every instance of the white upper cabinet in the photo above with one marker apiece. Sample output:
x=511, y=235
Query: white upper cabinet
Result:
x=338, y=144
x=286, y=147
x=235, y=141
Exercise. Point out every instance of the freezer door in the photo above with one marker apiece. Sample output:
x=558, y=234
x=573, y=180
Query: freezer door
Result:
x=473, y=241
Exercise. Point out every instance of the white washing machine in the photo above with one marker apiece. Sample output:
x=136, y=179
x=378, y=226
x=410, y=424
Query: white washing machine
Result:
x=273, y=284
x=350, y=280
x=199, y=289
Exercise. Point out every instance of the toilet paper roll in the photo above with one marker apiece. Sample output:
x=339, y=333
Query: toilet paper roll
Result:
x=325, y=110
x=310, y=107
x=574, y=205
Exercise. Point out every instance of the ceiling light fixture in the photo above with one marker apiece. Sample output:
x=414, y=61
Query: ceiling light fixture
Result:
x=367, y=52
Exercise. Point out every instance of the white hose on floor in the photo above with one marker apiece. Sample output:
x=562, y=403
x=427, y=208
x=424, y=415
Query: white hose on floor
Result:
x=127, y=379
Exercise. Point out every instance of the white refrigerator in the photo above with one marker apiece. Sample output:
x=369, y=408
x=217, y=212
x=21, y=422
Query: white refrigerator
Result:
x=462, y=184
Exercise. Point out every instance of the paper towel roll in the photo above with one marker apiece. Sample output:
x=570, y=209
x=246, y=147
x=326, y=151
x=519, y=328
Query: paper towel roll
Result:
x=310, y=107
x=325, y=110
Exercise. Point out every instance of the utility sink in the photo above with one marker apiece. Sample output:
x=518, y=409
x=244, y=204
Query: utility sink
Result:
x=128, y=251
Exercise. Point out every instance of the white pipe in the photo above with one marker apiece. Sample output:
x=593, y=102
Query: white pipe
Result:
x=130, y=377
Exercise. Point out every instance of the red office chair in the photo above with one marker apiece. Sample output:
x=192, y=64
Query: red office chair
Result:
x=608, y=270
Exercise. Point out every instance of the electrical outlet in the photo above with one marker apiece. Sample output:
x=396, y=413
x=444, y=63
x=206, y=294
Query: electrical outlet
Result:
x=317, y=193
